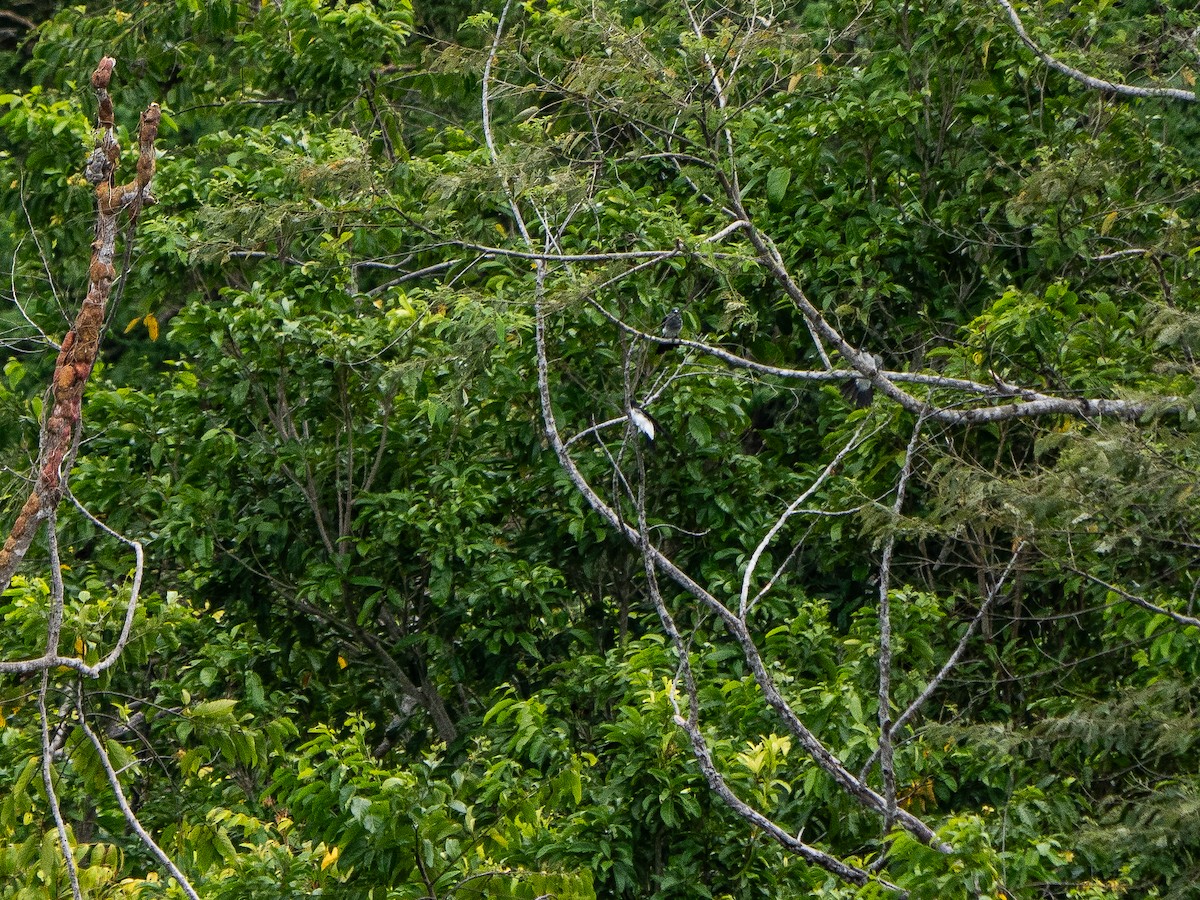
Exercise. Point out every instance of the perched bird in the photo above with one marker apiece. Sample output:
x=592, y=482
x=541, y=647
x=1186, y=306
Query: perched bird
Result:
x=672, y=324
x=860, y=391
x=643, y=421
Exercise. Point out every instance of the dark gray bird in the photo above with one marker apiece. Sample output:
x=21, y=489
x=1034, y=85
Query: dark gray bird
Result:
x=860, y=391
x=672, y=324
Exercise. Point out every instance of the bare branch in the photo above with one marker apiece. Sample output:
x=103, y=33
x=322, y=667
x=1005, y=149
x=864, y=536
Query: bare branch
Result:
x=737, y=629
x=139, y=568
x=934, y=683
x=1098, y=84
x=64, y=841
x=20, y=20
x=1138, y=600
x=53, y=631
x=126, y=810
x=745, y=604
x=691, y=724
x=49, y=280
x=51, y=658
x=1122, y=254
x=1028, y=403
x=885, y=635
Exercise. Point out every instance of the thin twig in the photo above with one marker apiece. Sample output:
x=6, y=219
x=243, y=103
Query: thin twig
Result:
x=64, y=841
x=21, y=309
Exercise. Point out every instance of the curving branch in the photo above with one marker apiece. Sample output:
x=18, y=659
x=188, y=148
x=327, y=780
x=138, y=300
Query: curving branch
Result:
x=1098, y=84
x=745, y=602
x=1138, y=600
x=51, y=658
x=733, y=624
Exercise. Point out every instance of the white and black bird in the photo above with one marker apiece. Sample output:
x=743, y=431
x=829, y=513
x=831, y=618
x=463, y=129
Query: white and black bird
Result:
x=860, y=391
x=643, y=422
x=672, y=324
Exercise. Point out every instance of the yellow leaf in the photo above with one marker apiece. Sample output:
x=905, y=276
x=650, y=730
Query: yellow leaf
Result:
x=151, y=326
x=500, y=228
x=132, y=325
x=79, y=645
x=1107, y=224
x=793, y=81
x=342, y=662
x=1189, y=77
x=978, y=357
x=330, y=858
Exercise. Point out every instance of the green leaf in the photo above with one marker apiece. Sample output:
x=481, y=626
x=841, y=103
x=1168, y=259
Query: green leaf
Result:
x=778, y=180
x=213, y=709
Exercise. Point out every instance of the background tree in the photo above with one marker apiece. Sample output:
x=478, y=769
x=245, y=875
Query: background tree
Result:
x=386, y=326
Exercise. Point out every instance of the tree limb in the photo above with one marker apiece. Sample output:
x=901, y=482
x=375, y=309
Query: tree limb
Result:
x=1099, y=84
x=79, y=349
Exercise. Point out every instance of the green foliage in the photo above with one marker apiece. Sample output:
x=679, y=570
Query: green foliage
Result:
x=384, y=648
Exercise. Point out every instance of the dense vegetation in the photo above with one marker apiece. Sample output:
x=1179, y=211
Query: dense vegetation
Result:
x=424, y=614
